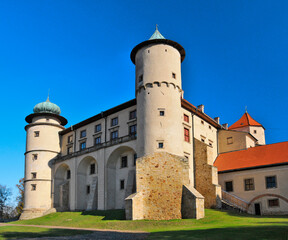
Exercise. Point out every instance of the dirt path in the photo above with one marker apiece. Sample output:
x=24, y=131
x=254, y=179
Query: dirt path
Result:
x=98, y=234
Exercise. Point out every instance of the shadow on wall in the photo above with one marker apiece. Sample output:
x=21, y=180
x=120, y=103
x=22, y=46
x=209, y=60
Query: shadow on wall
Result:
x=235, y=233
x=118, y=214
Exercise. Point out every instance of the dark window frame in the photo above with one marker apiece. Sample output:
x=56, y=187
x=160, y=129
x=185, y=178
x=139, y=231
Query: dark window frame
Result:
x=249, y=184
x=271, y=184
x=83, y=133
x=98, y=128
x=114, y=121
x=124, y=162
x=228, y=187
x=92, y=168
x=132, y=114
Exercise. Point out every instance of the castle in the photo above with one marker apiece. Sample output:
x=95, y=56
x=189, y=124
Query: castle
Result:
x=154, y=155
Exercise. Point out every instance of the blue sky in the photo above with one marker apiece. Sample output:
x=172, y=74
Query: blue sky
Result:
x=236, y=56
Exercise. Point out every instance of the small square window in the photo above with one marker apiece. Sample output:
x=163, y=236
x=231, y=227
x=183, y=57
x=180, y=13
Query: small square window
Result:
x=134, y=159
x=249, y=184
x=174, y=75
x=114, y=121
x=271, y=182
x=124, y=162
x=70, y=139
x=33, y=187
x=132, y=115
x=34, y=175
x=229, y=140
x=114, y=135
x=82, y=145
x=186, y=118
x=34, y=157
x=273, y=202
x=203, y=140
x=160, y=145
x=68, y=174
x=97, y=141
x=229, y=186
x=122, y=184
x=36, y=133
x=162, y=113
x=69, y=150
x=92, y=168
x=88, y=189
x=83, y=134
x=98, y=128
x=255, y=131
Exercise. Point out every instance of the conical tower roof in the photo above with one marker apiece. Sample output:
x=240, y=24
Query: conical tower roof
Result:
x=244, y=121
x=156, y=35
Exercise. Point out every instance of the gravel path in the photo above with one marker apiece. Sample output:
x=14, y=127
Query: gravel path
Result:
x=98, y=234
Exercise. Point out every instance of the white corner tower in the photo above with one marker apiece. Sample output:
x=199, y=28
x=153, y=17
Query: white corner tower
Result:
x=158, y=93
x=42, y=146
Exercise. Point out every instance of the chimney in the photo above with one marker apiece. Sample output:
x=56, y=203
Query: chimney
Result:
x=225, y=125
x=201, y=108
x=217, y=119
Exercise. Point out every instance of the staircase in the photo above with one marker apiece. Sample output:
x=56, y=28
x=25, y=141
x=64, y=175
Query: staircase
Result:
x=230, y=201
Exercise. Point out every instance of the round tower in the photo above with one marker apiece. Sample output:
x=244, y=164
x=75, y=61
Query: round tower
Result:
x=158, y=94
x=42, y=145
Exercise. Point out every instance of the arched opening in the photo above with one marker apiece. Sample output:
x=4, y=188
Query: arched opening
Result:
x=87, y=184
x=62, y=188
x=121, y=177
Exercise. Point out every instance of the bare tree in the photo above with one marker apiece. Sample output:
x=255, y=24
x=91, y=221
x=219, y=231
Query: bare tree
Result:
x=5, y=194
x=20, y=197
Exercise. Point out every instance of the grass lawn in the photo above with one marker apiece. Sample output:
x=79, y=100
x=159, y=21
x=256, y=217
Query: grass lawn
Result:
x=11, y=232
x=216, y=225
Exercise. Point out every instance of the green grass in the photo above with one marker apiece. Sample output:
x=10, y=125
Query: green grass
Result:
x=11, y=232
x=216, y=225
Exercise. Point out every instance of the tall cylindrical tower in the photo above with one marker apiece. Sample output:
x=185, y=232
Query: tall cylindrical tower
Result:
x=158, y=93
x=42, y=145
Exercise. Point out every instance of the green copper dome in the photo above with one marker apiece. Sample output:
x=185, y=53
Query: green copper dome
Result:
x=47, y=107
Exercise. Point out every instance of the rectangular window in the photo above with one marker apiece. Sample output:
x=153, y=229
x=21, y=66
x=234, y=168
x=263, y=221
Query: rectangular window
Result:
x=273, y=202
x=68, y=174
x=98, y=128
x=229, y=186
x=92, y=168
x=69, y=150
x=140, y=78
x=83, y=134
x=249, y=184
x=124, y=162
x=114, y=121
x=255, y=131
x=70, y=139
x=132, y=115
x=160, y=145
x=36, y=133
x=114, y=135
x=229, y=140
x=34, y=156
x=33, y=187
x=186, y=118
x=134, y=159
x=174, y=75
x=133, y=130
x=162, y=113
x=82, y=145
x=122, y=184
x=271, y=182
x=88, y=189
x=97, y=141
x=186, y=135
x=34, y=175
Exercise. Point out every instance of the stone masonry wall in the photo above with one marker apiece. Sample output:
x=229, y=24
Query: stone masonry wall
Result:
x=206, y=176
x=160, y=179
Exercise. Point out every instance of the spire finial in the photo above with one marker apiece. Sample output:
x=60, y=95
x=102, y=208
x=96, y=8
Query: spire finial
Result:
x=245, y=109
x=48, y=96
x=156, y=27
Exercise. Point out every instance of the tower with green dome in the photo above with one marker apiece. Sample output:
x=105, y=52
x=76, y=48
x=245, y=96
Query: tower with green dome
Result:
x=42, y=146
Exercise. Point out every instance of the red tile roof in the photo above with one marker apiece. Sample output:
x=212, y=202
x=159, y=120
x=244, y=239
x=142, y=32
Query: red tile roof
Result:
x=271, y=154
x=244, y=121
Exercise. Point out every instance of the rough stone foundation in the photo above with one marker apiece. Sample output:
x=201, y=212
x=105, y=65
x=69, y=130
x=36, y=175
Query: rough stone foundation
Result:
x=35, y=213
x=160, y=179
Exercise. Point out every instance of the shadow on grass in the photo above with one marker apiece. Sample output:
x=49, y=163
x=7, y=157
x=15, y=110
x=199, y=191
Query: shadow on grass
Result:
x=18, y=233
x=118, y=214
x=235, y=233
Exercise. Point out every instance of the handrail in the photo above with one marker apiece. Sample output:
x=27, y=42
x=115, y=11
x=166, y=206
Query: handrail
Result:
x=235, y=201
